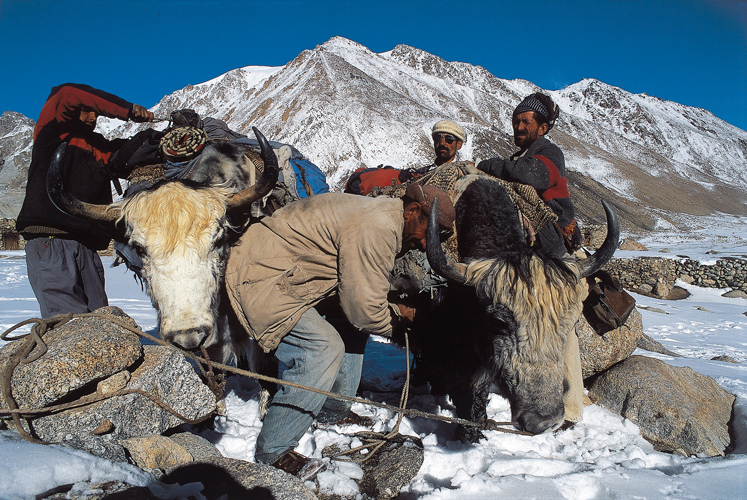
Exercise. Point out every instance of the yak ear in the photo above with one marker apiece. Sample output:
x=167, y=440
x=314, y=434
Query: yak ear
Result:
x=439, y=261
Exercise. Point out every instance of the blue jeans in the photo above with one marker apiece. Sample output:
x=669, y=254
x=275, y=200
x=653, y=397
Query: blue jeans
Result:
x=314, y=355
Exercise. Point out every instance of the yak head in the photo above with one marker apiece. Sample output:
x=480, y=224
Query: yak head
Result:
x=182, y=237
x=529, y=302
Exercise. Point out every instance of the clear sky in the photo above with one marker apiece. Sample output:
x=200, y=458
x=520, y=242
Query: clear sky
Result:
x=690, y=51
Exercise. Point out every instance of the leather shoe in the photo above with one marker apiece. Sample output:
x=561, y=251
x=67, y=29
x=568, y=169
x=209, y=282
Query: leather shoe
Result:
x=304, y=468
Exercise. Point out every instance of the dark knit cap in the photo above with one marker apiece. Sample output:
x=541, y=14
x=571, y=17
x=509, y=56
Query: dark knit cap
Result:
x=531, y=103
x=425, y=195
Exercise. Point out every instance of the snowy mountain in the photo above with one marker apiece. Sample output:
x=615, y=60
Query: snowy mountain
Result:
x=345, y=107
x=16, y=132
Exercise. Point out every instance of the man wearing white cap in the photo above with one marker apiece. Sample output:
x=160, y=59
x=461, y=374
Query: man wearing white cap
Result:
x=448, y=138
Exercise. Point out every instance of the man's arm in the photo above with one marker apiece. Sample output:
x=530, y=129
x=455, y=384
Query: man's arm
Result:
x=525, y=169
x=71, y=98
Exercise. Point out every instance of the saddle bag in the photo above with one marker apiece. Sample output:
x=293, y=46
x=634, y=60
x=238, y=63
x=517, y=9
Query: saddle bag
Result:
x=608, y=305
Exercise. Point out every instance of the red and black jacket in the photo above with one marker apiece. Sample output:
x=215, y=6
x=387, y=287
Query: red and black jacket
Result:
x=542, y=166
x=84, y=172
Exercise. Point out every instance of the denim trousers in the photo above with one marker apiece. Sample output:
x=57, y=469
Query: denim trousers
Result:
x=314, y=355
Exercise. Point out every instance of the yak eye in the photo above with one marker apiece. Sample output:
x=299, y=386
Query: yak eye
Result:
x=139, y=250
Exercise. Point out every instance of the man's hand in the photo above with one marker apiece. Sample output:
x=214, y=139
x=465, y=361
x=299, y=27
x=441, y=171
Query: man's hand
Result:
x=406, y=313
x=140, y=114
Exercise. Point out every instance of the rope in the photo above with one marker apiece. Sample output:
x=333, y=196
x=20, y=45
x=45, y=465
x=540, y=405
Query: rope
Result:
x=216, y=383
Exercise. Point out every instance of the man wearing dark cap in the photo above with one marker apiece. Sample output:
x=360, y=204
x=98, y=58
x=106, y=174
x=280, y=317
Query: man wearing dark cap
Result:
x=541, y=164
x=285, y=265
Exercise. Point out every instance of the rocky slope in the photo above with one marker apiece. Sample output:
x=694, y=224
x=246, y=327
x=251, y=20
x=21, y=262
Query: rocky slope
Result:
x=344, y=106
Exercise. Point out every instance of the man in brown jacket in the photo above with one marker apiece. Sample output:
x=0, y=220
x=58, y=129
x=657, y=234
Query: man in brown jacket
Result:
x=286, y=264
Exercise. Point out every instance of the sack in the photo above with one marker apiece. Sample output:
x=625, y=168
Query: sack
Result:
x=608, y=305
x=310, y=179
x=364, y=180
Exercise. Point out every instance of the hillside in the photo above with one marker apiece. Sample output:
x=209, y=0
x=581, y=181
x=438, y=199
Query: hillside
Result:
x=344, y=106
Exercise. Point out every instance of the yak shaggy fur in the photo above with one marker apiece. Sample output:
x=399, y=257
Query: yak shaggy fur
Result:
x=182, y=236
x=505, y=328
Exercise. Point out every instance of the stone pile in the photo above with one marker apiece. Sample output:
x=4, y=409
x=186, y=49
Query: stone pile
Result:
x=657, y=275
x=93, y=357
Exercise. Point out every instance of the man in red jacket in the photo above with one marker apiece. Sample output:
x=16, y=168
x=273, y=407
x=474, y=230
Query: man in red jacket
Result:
x=64, y=269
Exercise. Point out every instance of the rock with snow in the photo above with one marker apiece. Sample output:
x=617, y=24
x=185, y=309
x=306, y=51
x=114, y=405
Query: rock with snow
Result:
x=339, y=102
x=156, y=452
x=164, y=374
x=197, y=446
x=631, y=244
x=233, y=478
x=647, y=343
x=600, y=351
x=677, y=409
x=79, y=352
x=392, y=467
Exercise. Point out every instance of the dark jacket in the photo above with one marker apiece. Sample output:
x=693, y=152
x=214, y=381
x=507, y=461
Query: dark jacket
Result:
x=542, y=166
x=84, y=172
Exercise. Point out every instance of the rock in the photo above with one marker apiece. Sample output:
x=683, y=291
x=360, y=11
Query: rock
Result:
x=687, y=279
x=599, y=352
x=664, y=250
x=678, y=293
x=726, y=358
x=163, y=372
x=392, y=467
x=232, y=478
x=631, y=244
x=99, y=491
x=116, y=382
x=79, y=352
x=735, y=294
x=677, y=410
x=647, y=343
x=197, y=446
x=662, y=290
x=645, y=288
x=156, y=452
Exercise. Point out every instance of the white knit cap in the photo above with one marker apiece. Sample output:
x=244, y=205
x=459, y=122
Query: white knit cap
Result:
x=449, y=127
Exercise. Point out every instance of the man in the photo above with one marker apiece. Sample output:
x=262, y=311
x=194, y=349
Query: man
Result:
x=64, y=269
x=541, y=164
x=284, y=265
x=448, y=138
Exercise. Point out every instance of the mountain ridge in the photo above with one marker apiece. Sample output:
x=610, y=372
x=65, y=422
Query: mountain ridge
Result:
x=345, y=106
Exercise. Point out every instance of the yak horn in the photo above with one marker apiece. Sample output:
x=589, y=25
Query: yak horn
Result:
x=66, y=202
x=243, y=199
x=595, y=262
x=439, y=261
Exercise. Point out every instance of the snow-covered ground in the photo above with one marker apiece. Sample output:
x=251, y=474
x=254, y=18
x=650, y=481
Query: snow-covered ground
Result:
x=603, y=457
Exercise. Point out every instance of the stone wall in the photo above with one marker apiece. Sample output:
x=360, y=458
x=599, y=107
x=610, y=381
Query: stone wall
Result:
x=655, y=274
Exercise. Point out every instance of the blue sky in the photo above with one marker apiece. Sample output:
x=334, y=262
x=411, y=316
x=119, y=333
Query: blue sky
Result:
x=690, y=51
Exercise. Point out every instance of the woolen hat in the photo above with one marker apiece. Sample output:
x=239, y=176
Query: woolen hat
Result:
x=425, y=195
x=449, y=127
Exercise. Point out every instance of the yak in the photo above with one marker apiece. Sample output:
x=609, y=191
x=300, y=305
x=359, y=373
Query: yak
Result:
x=182, y=232
x=503, y=319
